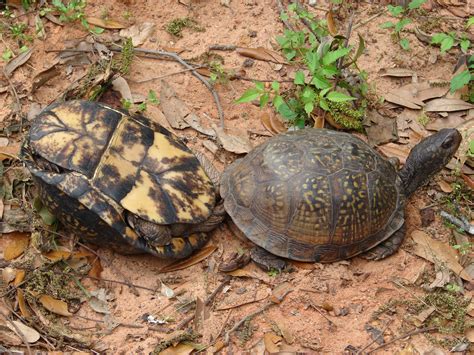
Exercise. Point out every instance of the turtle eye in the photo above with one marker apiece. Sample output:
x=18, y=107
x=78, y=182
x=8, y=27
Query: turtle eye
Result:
x=448, y=142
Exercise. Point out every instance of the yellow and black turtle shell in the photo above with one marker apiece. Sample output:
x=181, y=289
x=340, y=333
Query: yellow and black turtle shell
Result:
x=314, y=195
x=103, y=162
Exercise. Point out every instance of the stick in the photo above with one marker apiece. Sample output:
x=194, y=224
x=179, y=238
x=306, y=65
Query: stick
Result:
x=286, y=23
x=208, y=300
x=18, y=332
x=361, y=351
x=164, y=76
x=409, y=334
x=362, y=23
x=244, y=319
x=459, y=222
x=223, y=47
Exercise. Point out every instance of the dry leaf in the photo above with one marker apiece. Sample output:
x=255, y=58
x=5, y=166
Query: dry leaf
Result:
x=22, y=304
x=57, y=255
x=453, y=120
x=396, y=72
x=44, y=76
x=395, y=150
x=470, y=334
x=174, y=109
x=17, y=62
x=271, y=341
x=445, y=186
x=265, y=118
x=55, y=306
x=8, y=274
x=167, y=291
x=109, y=23
x=280, y=291
x=380, y=129
x=261, y=53
x=447, y=105
x=19, y=277
x=96, y=268
x=180, y=349
x=277, y=125
x=120, y=84
x=16, y=245
x=197, y=257
x=30, y=335
x=10, y=152
x=232, y=143
x=331, y=23
x=9, y=338
x=285, y=331
x=423, y=316
x=319, y=120
x=427, y=90
x=438, y=252
x=138, y=33
x=404, y=98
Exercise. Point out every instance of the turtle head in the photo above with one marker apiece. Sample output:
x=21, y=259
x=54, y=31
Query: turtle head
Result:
x=428, y=157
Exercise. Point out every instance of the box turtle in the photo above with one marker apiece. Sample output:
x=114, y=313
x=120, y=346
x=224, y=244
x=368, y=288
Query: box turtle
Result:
x=321, y=195
x=121, y=181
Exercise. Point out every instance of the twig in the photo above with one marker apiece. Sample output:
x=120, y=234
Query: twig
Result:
x=331, y=323
x=346, y=41
x=164, y=76
x=409, y=334
x=282, y=9
x=128, y=325
x=462, y=222
x=223, y=47
x=238, y=77
x=208, y=300
x=245, y=319
x=18, y=331
x=362, y=23
x=361, y=351
x=181, y=61
x=305, y=21
x=131, y=285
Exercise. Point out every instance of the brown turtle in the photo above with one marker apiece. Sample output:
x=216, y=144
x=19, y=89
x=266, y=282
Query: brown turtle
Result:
x=321, y=195
x=122, y=181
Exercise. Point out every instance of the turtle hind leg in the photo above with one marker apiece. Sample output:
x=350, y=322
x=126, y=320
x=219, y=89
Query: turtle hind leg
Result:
x=387, y=247
x=266, y=260
x=154, y=234
x=181, y=247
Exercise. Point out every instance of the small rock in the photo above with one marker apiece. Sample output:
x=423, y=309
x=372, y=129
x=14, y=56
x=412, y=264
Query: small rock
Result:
x=252, y=34
x=241, y=290
x=427, y=216
x=248, y=63
x=344, y=311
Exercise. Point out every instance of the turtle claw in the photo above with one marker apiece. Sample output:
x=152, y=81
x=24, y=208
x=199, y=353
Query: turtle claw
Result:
x=387, y=247
x=266, y=260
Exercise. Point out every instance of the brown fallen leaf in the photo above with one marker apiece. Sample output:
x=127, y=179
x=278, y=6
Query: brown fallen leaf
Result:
x=447, y=105
x=427, y=90
x=470, y=334
x=174, y=109
x=17, y=62
x=109, y=23
x=438, y=252
x=445, y=186
x=19, y=277
x=396, y=72
x=261, y=53
x=180, y=349
x=271, y=341
x=10, y=152
x=139, y=33
x=25, y=312
x=8, y=274
x=120, y=85
x=380, y=129
x=403, y=98
x=233, y=143
x=265, y=119
x=395, y=150
x=419, y=319
x=8, y=337
x=96, y=268
x=55, y=306
x=29, y=334
x=280, y=291
x=331, y=23
x=57, y=255
x=197, y=257
x=44, y=76
x=319, y=120
x=16, y=245
x=453, y=120
x=285, y=331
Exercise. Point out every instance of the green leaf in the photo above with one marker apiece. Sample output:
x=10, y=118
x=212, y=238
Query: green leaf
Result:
x=388, y=24
x=320, y=82
x=336, y=96
x=323, y=104
x=470, y=22
x=286, y=112
x=153, y=98
x=97, y=30
x=264, y=99
x=7, y=54
x=278, y=101
x=447, y=44
x=47, y=217
x=332, y=56
x=284, y=16
x=415, y=4
x=395, y=10
x=309, y=107
x=460, y=80
x=471, y=148
x=465, y=44
x=290, y=54
x=260, y=86
x=438, y=38
x=405, y=44
x=249, y=95
x=276, y=86
x=401, y=24
x=312, y=61
x=299, y=78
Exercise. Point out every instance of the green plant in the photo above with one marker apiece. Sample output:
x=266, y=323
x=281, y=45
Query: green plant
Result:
x=151, y=98
x=322, y=79
x=464, y=248
x=401, y=14
x=7, y=54
x=176, y=26
x=465, y=77
x=72, y=11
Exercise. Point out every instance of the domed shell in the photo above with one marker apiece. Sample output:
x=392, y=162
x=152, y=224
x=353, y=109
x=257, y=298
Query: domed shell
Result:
x=119, y=161
x=314, y=195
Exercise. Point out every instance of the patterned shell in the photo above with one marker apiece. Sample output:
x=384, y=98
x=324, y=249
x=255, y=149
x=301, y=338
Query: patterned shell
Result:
x=111, y=161
x=314, y=195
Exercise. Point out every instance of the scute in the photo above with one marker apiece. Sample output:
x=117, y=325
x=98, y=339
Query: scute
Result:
x=338, y=197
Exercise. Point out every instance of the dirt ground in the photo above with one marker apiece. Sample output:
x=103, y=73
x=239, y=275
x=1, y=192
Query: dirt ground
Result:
x=329, y=307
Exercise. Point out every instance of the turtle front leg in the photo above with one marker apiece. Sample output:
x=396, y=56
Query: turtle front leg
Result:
x=387, y=247
x=154, y=234
x=209, y=169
